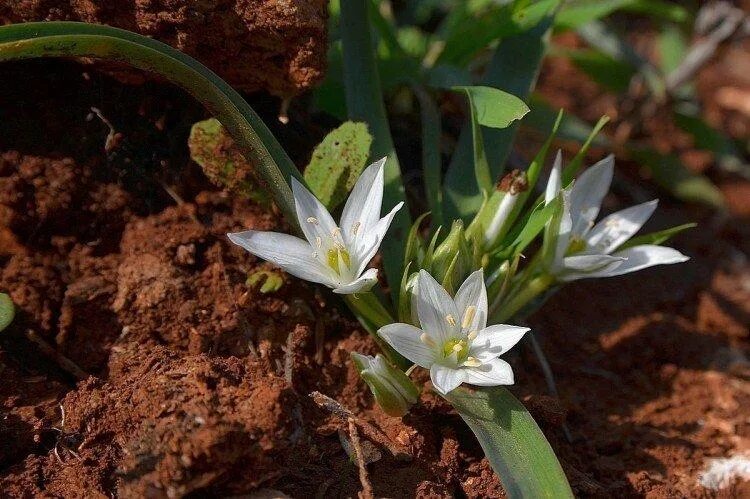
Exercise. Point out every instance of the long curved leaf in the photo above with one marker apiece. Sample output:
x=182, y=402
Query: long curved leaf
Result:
x=73, y=39
x=512, y=441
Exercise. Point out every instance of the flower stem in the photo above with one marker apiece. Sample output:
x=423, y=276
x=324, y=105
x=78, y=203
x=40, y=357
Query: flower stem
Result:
x=525, y=294
x=373, y=315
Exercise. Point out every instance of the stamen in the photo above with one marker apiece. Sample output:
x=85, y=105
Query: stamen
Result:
x=355, y=227
x=318, y=241
x=315, y=254
x=468, y=316
x=457, y=347
x=450, y=320
x=427, y=340
x=472, y=335
x=336, y=232
x=472, y=362
x=312, y=220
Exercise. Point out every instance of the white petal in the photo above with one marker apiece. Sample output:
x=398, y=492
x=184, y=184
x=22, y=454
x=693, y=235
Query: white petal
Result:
x=367, y=245
x=445, y=379
x=588, y=193
x=554, y=184
x=364, y=203
x=641, y=257
x=495, y=340
x=472, y=293
x=613, y=230
x=437, y=312
x=563, y=232
x=292, y=254
x=362, y=283
x=492, y=373
x=589, y=262
x=404, y=338
x=313, y=217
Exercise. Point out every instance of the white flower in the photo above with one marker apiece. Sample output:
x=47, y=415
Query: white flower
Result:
x=454, y=342
x=585, y=249
x=334, y=255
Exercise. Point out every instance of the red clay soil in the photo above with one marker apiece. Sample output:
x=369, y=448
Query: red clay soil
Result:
x=198, y=386
x=275, y=45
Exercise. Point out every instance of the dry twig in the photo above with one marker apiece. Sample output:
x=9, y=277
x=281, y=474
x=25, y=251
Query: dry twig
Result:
x=363, y=479
x=65, y=363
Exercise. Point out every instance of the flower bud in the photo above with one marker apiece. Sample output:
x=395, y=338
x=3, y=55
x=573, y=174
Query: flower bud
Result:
x=393, y=390
x=452, y=256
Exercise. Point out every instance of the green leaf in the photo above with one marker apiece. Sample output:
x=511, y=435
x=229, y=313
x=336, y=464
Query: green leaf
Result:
x=474, y=33
x=513, y=69
x=513, y=443
x=673, y=48
x=575, y=164
x=580, y=12
x=668, y=171
x=69, y=39
x=658, y=237
x=492, y=107
x=542, y=117
x=431, y=161
x=364, y=102
x=659, y=9
x=337, y=162
x=7, y=311
x=214, y=150
x=536, y=221
x=269, y=281
x=608, y=72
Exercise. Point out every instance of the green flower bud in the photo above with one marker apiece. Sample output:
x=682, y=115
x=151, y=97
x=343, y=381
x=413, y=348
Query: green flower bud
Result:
x=453, y=258
x=393, y=390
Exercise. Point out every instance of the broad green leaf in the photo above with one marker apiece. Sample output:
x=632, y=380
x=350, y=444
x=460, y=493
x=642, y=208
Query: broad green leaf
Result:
x=70, y=39
x=513, y=443
x=475, y=32
x=494, y=108
x=668, y=172
x=214, y=150
x=658, y=237
x=513, y=69
x=7, y=311
x=364, y=102
x=337, y=162
x=536, y=221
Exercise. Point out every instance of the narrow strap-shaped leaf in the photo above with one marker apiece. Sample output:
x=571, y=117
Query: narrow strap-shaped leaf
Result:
x=72, y=39
x=364, y=102
x=513, y=443
x=431, y=163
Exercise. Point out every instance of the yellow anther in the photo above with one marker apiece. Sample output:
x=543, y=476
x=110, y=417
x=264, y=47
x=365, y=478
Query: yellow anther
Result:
x=312, y=220
x=457, y=347
x=450, y=320
x=336, y=232
x=468, y=316
x=472, y=335
x=318, y=241
x=472, y=362
x=355, y=228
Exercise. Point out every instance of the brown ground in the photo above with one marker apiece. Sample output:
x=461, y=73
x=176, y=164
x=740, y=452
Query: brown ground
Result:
x=199, y=386
x=274, y=45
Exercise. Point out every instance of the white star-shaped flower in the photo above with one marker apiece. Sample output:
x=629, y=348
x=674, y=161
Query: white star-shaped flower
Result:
x=454, y=341
x=586, y=249
x=331, y=254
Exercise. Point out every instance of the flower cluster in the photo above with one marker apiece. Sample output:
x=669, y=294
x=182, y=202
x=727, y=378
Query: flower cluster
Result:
x=444, y=332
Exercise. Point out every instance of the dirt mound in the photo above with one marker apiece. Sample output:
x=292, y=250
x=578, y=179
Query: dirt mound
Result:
x=273, y=45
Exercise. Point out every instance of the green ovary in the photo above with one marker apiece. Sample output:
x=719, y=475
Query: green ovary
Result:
x=458, y=346
x=332, y=258
x=576, y=246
